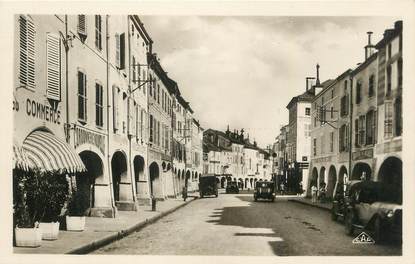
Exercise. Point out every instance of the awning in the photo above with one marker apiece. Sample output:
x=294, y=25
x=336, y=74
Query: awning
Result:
x=19, y=158
x=48, y=153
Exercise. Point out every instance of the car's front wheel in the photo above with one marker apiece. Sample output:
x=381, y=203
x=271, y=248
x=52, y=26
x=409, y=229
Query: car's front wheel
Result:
x=349, y=221
x=377, y=230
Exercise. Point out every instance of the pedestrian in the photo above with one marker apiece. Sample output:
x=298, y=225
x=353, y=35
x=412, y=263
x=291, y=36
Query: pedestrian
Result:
x=314, y=194
x=322, y=192
x=184, y=193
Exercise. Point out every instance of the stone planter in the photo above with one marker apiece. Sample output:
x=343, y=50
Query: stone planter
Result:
x=75, y=223
x=50, y=231
x=28, y=237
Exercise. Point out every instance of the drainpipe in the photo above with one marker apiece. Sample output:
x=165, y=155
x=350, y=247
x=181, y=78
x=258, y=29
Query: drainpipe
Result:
x=129, y=108
x=350, y=126
x=108, y=116
x=66, y=82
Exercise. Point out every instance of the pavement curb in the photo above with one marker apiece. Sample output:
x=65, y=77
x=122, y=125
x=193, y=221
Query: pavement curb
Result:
x=312, y=205
x=91, y=246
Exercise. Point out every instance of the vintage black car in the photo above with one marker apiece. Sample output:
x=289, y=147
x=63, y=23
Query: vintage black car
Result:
x=232, y=187
x=375, y=207
x=208, y=185
x=264, y=190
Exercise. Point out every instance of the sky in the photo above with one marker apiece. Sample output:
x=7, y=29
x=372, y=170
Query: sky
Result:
x=243, y=71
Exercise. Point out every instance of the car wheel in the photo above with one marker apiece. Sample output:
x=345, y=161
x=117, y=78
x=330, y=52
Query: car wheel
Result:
x=349, y=221
x=377, y=230
x=334, y=213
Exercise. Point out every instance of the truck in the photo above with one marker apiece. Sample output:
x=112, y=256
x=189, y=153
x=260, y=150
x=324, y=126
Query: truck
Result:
x=208, y=185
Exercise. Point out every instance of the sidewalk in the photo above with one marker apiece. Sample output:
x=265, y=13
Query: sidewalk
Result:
x=307, y=201
x=101, y=231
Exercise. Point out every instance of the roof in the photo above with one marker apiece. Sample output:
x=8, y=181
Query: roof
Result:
x=307, y=96
x=390, y=34
x=140, y=26
x=367, y=62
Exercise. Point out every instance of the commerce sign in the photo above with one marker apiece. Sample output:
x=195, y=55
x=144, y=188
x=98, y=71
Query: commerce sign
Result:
x=43, y=112
x=363, y=154
x=83, y=136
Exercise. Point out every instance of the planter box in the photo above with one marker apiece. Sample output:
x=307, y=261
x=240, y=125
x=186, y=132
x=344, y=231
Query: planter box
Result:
x=28, y=237
x=75, y=223
x=50, y=231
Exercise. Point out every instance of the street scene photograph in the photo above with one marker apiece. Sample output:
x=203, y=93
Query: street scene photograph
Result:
x=207, y=135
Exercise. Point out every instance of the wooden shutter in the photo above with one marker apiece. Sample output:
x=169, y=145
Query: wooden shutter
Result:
x=117, y=50
x=115, y=107
x=122, y=51
x=82, y=25
x=30, y=54
x=53, y=65
x=23, y=50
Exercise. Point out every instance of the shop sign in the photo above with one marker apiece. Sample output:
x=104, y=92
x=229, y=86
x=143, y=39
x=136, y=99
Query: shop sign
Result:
x=83, y=136
x=41, y=111
x=363, y=154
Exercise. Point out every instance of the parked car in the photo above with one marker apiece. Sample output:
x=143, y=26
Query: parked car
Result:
x=208, y=185
x=232, y=187
x=264, y=190
x=375, y=207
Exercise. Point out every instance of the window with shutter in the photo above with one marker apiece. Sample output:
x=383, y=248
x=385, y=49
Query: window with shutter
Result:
x=82, y=97
x=82, y=25
x=122, y=51
x=53, y=65
x=99, y=107
x=27, y=52
x=117, y=50
x=151, y=128
x=98, y=32
x=115, y=92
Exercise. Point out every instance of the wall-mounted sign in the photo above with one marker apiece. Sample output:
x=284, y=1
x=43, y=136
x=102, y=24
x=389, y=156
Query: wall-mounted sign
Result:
x=43, y=112
x=83, y=136
x=363, y=154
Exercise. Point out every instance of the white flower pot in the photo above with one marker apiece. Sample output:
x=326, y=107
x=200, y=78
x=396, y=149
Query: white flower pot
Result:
x=28, y=237
x=75, y=223
x=50, y=231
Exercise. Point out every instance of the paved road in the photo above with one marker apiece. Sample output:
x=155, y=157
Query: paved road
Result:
x=235, y=225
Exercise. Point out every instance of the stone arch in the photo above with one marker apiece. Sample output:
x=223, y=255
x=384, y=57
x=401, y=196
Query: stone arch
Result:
x=168, y=166
x=360, y=169
x=322, y=177
x=246, y=183
x=163, y=166
x=390, y=172
x=154, y=179
x=313, y=179
x=187, y=178
x=86, y=181
x=139, y=166
x=119, y=175
x=331, y=182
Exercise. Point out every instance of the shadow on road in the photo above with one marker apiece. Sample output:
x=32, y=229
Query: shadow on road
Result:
x=272, y=216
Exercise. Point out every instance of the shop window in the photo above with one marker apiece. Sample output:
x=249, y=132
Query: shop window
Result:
x=98, y=32
x=99, y=105
x=27, y=52
x=53, y=65
x=82, y=97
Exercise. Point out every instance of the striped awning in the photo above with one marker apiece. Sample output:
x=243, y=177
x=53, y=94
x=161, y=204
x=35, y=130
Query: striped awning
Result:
x=48, y=153
x=19, y=158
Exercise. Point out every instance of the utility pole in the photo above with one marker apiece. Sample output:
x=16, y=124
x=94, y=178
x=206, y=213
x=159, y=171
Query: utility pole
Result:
x=350, y=127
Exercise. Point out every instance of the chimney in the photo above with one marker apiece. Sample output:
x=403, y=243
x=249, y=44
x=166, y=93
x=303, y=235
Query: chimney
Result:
x=318, y=75
x=369, y=48
x=309, y=83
